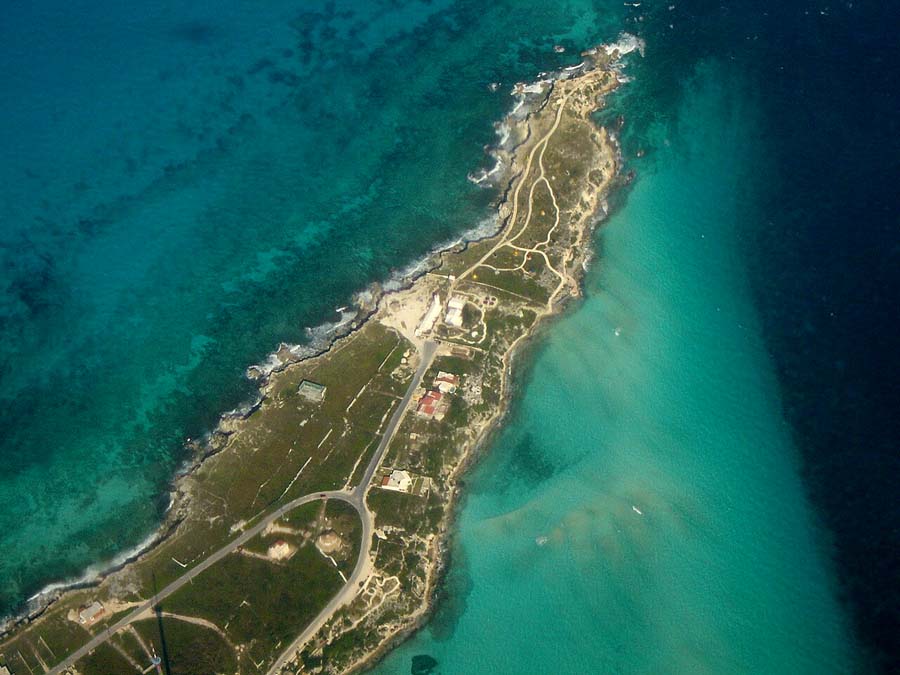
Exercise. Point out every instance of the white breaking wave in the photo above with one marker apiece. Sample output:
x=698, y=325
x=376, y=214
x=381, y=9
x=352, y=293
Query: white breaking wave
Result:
x=626, y=44
x=96, y=571
x=324, y=330
x=485, y=174
x=323, y=335
x=503, y=131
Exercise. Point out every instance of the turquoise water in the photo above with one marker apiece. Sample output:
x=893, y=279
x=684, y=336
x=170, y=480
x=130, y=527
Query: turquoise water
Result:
x=185, y=185
x=184, y=188
x=656, y=396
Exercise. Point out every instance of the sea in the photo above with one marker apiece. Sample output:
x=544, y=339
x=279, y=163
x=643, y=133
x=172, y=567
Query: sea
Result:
x=698, y=472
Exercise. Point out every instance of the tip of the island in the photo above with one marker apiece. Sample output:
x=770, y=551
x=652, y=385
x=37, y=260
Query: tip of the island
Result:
x=311, y=536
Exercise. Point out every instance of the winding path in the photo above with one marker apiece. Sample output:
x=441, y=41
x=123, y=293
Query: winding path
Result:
x=356, y=498
x=505, y=239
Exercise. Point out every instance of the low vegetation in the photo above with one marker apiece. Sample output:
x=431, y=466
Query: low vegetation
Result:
x=239, y=614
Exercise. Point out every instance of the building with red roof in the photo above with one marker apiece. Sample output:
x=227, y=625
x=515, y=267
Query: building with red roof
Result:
x=433, y=405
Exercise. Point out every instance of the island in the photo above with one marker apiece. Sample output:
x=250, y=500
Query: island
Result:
x=310, y=532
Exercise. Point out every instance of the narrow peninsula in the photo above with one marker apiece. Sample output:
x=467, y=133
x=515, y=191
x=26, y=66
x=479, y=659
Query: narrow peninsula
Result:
x=310, y=534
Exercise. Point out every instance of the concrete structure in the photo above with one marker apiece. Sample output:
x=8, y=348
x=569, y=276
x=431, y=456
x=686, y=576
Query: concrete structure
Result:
x=312, y=391
x=398, y=481
x=434, y=311
x=454, y=315
x=280, y=550
x=4, y=671
x=329, y=542
x=91, y=613
x=446, y=383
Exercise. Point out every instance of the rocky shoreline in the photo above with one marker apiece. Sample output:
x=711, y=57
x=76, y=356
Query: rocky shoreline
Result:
x=368, y=304
x=442, y=545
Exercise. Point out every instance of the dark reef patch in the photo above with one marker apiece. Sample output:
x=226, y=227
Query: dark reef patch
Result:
x=195, y=32
x=423, y=664
x=452, y=596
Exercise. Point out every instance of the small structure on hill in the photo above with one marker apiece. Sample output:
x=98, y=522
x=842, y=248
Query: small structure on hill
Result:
x=398, y=481
x=454, y=316
x=329, y=542
x=280, y=550
x=312, y=391
x=433, y=405
x=91, y=613
x=446, y=383
x=427, y=322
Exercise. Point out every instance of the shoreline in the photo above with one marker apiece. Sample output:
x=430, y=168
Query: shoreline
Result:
x=214, y=441
x=368, y=304
x=481, y=446
x=365, y=303
x=516, y=364
x=443, y=545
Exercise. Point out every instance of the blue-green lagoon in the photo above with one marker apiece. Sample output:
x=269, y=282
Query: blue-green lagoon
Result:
x=185, y=186
x=642, y=511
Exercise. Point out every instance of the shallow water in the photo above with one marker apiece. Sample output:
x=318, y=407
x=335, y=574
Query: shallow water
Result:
x=178, y=196
x=185, y=185
x=643, y=511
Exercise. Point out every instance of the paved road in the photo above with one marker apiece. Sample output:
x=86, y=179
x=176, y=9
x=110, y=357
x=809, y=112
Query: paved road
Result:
x=354, y=581
x=245, y=536
x=428, y=350
x=356, y=498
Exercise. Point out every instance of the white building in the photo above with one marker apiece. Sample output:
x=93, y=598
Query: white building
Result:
x=280, y=550
x=454, y=315
x=430, y=317
x=446, y=382
x=91, y=613
x=398, y=481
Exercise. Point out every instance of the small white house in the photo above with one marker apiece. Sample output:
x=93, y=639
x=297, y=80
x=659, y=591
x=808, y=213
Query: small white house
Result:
x=91, y=613
x=398, y=481
x=446, y=383
x=280, y=550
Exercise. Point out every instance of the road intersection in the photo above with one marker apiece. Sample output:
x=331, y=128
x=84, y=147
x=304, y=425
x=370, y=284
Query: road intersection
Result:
x=355, y=498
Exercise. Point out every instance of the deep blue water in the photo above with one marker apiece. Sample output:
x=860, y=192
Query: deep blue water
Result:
x=642, y=511
x=184, y=186
x=823, y=257
x=825, y=267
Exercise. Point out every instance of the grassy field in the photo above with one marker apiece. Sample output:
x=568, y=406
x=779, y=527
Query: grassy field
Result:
x=105, y=659
x=186, y=648
x=523, y=286
x=260, y=604
x=543, y=216
x=236, y=615
x=457, y=262
x=290, y=446
x=505, y=258
x=261, y=467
